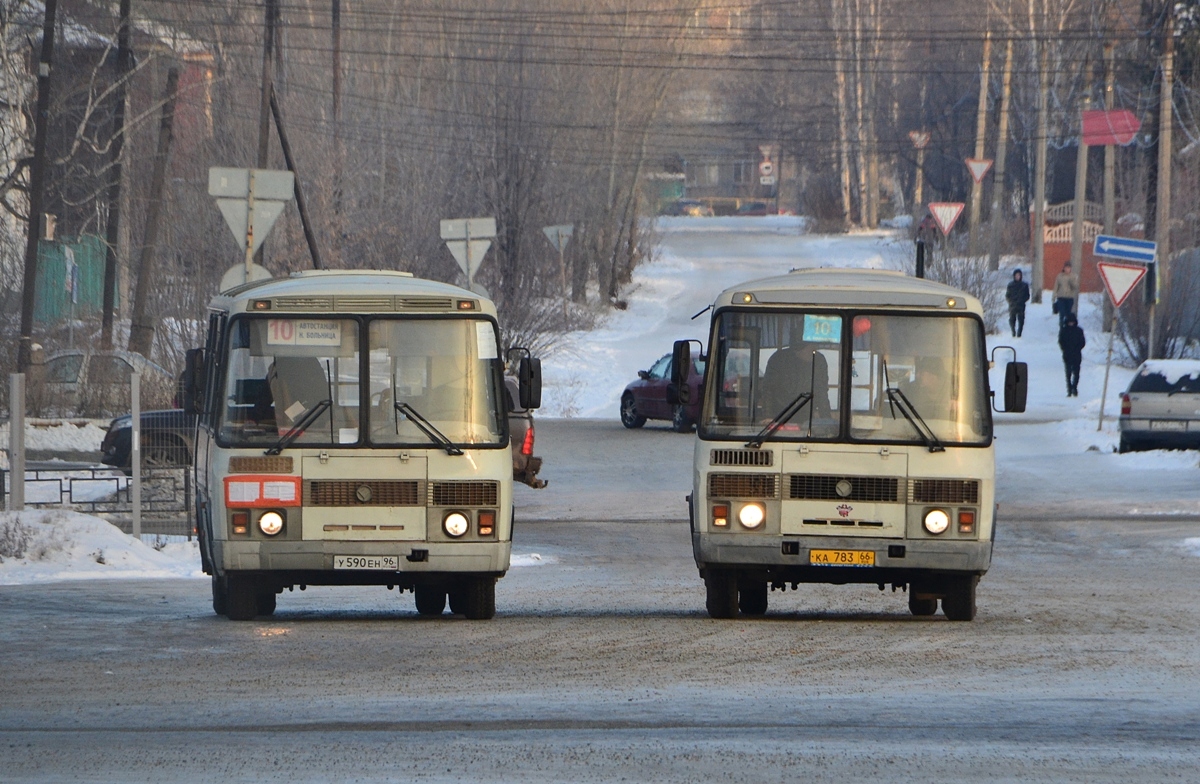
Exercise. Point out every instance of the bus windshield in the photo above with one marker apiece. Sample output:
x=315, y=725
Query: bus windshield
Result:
x=295, y=381
x=912, y=378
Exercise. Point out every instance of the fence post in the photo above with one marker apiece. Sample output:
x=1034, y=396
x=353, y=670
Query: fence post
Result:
x=135, y=446
x=16, y=442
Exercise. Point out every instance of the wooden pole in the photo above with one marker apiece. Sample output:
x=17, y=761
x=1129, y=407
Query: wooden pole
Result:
x=1162, y=222
x=1040, y=140
x=112, y=228
x=997, y=216
x=980, y=138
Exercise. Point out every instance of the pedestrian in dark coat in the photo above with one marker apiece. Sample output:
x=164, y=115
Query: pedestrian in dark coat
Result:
x=1072, y=341
x=1017, y=295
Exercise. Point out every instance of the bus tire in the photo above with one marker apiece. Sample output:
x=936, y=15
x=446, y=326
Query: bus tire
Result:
x=920, y=606
x=476, y=599
x=431, y=600
x=752, y=597
x=242, y=598
x=266, y=603
x=959, y=602
x=220, y=595
x=721, y=594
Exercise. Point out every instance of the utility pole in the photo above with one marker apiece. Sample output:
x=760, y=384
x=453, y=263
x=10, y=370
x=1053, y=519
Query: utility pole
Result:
x=37, y=187
x=1162, y=218
x=113, y=222
x=1081, y=167
x=141, y=327
x=271, y=17
x=1001, y=155
x=1039, y=176
x=1110, y=184
x=980, y=136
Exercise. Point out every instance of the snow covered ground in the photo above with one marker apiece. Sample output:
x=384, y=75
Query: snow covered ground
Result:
x=1051, y=459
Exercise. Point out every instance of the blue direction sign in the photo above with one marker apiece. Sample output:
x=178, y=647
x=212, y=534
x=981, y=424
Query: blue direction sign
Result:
x=1125, y=248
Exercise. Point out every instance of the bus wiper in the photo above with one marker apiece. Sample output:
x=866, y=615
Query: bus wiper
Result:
x=780, y=419
x=897, y=399
x=302, y=424
x=428, y=428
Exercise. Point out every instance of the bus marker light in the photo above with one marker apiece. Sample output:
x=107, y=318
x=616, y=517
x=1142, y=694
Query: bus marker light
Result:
x=240, y=522
x=720, y=516
x=487, y=523
x=966, y=521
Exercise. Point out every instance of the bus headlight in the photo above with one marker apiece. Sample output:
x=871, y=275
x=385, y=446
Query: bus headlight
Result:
x=271, y=523
x=752, y=515
x=455, y=524
x=936, y=521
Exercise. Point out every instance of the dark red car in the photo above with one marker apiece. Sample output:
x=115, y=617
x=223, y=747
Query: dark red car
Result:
x=650, y=397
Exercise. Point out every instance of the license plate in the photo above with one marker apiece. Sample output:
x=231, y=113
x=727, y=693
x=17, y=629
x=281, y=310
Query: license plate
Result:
x=373, y=562
x=841, y=557
x=1167, y=424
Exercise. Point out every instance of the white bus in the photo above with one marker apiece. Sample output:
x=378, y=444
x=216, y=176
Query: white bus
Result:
x=353, y=431
x=845, y=436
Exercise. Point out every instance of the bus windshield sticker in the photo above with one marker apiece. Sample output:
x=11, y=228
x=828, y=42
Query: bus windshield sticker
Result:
x=347, y=435
x=296, y=332
x=485, y=339
x=822, y=329
x=279, y=491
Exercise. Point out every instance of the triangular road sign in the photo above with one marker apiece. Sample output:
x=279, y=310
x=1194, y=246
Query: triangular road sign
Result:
x=979, y=167
x=1119, y=279
x=919, y=139
x=946, y=213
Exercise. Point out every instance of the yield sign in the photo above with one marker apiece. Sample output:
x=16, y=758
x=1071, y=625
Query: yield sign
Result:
x=919, y=139
x=979, y=167
x=946, y=213
x=1119, y=279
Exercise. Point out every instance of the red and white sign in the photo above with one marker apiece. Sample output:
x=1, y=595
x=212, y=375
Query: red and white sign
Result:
x=1119, y=279
x=920, y=139
x=946, y=213
x=1101, y=127
x=979, y=168
x=766, y=168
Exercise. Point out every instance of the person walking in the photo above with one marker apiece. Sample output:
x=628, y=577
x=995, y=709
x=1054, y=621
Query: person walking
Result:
x=1017, y=294
x=1066, y=291
x=1072, y=341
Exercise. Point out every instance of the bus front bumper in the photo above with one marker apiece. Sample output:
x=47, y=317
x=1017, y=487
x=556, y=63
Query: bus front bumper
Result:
x=409, y=557
x=788, y=557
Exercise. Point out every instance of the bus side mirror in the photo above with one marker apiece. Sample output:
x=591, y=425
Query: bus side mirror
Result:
x=530, y=376
x=191, y=381
x=679, y=393
x=1016, y=387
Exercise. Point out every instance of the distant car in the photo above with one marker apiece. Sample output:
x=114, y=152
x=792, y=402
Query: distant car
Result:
x=754, y=208
x=521, y=434
x=168, y=440
x=96, y=383
x=649, y=397
x=1161, y=408
x=689, y=207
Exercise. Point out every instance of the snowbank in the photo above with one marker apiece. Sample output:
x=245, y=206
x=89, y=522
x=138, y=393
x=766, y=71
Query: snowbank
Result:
x=50, y=546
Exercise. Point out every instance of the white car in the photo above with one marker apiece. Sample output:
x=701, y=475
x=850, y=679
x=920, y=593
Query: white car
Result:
x=1161, y=408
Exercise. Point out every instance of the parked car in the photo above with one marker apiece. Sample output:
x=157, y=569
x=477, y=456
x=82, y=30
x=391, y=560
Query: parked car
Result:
x=521, y=434
x=688, y=207
x=752, y=208
x=168, y=440
x=649, y=397
x=92, y=383
x=1161, y=408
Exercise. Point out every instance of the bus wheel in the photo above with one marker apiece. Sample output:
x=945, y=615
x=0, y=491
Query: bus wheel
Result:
x=431, y=600
x=475, y=599
x=721, y=594
x=959, y=602
x=752, y=597
x=242, y=601
x=220, y=595
x=920, y=606
x=266, y=603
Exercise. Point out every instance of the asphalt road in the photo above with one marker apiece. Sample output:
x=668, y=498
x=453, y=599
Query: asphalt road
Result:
x=1083, y=665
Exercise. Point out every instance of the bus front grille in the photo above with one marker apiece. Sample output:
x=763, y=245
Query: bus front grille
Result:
x=464, y=493
x=743, y=485
x=740, y=457
x=371, y=492
x=367, y=303
x=310, y=304
x=820, y=487
x=943, y=491
x=424, y=303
